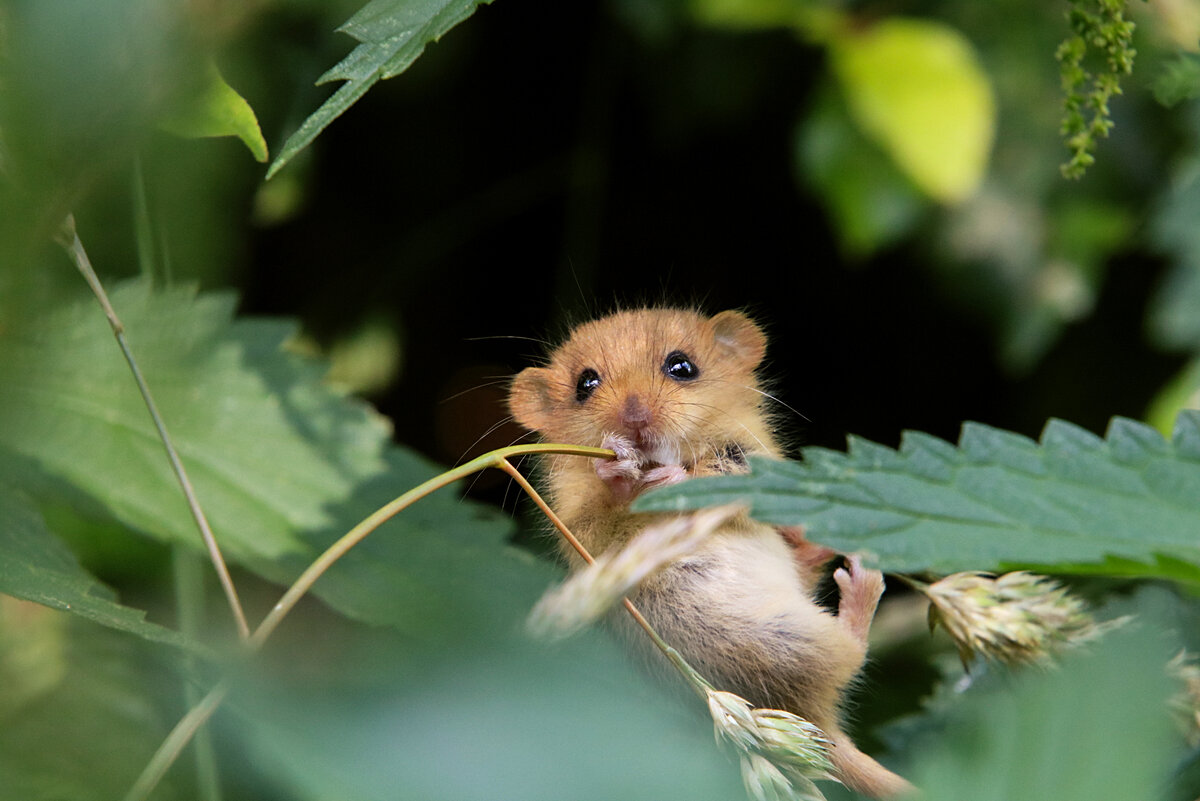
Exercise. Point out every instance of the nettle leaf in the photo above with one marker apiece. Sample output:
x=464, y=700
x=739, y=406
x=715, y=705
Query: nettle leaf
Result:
x=267, y=447
x=393, y=34
x=36, y=566
x=282, y=464
x=1127, y=504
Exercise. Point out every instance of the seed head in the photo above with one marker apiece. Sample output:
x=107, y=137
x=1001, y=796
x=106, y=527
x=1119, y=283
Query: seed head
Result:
x=1017, y=617
x=589, y=593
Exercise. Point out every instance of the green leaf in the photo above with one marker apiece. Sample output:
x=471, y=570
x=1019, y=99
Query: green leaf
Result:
x=1174, y=314
x=1178, y=80
x=282, y=465
x=918, y=89
x=216, y=109
x=477, y=723
x=871, y=201
x=1094, y=729
x=267, y=446
x=393, y=34
x=87, y=735
x=1071, y=501
x=1181, y=392
x=36, y=566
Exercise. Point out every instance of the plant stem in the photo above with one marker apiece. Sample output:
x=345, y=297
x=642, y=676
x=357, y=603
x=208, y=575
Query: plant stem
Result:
x=199, y=714
x=69, y=239
x=189, y=602
x=697, y=682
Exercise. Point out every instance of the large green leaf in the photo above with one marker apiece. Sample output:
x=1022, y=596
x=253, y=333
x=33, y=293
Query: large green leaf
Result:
x=282, y=465
x=36, y=566
x=393, y=34
x=481, y=721
x=1128, y=503
x=918, y=89
x=267, y=446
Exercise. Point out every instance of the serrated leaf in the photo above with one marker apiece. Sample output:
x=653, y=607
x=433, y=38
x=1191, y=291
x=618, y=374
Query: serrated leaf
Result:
x=282, y=465
x=267, y=446
x=1071, y=502
x=216, y=109
x=393, y=34
x=36, y=566
x=917, y=88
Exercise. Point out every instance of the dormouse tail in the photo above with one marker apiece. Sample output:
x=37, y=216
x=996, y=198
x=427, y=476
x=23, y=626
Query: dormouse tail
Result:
x=862, y=774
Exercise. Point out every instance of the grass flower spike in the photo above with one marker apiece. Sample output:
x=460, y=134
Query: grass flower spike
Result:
x=589, y=593
x=1186, y=703
x=781, y=753
x=1016, y=617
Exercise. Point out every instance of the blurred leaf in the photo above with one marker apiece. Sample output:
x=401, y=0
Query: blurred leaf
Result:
x=750, y=14
x=1094, y=729
x=477, y=723
x=996, y=499
x=871, y=202
x=36, y=566
x=87, y=739
x=393, y=33
x=216, y=109
x=1174, y=314
x=917, y=88
x=1179, y=80
x=266, y=445
x=1183, y=392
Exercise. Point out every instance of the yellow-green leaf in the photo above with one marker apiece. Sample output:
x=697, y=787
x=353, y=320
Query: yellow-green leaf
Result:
x=215, y=109
x=918, y=89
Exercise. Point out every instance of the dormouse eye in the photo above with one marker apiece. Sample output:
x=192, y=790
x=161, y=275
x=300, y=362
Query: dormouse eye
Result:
x=679, y=366
x=588, y=381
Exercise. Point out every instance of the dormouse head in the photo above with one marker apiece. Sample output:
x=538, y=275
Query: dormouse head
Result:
x=663, y=378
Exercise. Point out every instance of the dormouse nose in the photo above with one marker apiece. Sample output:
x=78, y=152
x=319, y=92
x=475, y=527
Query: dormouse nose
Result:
x=634, y=413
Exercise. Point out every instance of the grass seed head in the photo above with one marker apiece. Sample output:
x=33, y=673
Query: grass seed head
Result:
x=1014, y=618
x=589, y=593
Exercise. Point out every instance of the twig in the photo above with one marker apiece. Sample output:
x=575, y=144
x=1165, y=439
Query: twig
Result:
x=69, y=239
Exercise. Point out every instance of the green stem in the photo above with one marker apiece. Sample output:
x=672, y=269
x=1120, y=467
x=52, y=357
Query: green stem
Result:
x=69, y=239
x=693, y=677
x=189, y=602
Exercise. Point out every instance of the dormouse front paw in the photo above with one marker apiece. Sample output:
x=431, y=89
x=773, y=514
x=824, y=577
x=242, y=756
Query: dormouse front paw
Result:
x=622, y=474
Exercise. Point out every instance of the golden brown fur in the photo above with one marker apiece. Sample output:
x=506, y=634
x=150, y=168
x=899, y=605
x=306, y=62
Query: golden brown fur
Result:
x=674, y=393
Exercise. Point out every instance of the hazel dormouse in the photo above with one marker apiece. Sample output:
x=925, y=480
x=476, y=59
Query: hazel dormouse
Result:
x=674, y=394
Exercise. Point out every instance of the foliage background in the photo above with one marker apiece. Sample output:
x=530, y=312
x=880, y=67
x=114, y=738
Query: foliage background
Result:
x=541, y=163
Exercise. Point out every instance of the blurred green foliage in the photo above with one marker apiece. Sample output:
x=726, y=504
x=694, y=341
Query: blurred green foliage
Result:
x=863, y=175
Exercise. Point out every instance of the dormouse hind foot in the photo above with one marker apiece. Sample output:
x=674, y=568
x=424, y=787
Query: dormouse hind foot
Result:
x=860, y=592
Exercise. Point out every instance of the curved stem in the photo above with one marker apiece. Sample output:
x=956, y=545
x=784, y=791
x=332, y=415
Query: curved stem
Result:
x=69, y=239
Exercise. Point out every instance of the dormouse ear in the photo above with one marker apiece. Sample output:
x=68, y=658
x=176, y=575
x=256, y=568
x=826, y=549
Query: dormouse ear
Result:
x=529, y=399
x=738, y=334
